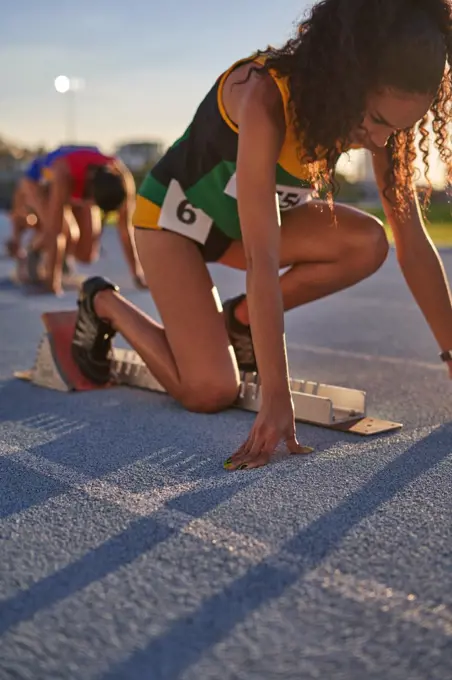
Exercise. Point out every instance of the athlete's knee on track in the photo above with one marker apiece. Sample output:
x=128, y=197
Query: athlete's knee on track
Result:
x=209, y=396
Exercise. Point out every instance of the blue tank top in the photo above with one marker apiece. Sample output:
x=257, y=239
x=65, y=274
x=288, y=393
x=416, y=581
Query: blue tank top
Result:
x=36, y=170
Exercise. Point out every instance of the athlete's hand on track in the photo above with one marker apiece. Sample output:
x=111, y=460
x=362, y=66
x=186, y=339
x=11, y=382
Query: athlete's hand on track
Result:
x=449, y=366
x=274, y=423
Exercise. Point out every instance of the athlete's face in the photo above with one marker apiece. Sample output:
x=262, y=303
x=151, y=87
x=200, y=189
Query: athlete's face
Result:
x=388, y=111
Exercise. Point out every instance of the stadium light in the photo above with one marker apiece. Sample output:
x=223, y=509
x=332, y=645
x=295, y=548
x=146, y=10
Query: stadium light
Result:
x=69, y=86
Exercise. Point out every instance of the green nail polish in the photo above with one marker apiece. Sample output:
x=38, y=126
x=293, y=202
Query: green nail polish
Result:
x=243, y=466
x=229, y=460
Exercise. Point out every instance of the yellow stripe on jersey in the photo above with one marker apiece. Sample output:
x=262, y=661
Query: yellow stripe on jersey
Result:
x=288, y=158
x=146, y=213
x=220, y=103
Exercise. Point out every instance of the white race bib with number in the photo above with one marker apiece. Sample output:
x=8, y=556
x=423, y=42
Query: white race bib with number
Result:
x=177, y=214
x=288, y=197
x=292, y=197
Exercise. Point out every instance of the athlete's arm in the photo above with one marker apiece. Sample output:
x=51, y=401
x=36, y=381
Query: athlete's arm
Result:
x=419, y=261
x=261, y=134
x=18, y=219
x=125, y=227
x=260, y=117
x=33, y=197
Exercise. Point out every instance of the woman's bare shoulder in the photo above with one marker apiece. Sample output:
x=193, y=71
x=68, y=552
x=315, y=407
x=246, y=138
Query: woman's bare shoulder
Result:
x=246, y=86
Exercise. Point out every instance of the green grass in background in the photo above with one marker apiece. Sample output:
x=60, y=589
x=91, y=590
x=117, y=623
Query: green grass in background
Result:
x=440, y=233
x=438, y=223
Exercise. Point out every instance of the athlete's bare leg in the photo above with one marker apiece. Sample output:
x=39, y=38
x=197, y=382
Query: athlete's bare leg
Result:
x=323, y=257
x=190, y=355
x=89, y=222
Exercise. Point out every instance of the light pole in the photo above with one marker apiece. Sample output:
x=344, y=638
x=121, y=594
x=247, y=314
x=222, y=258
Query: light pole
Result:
x=68, y=87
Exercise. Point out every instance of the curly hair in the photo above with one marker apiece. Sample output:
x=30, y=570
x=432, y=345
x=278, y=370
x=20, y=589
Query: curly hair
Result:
x=348, y=48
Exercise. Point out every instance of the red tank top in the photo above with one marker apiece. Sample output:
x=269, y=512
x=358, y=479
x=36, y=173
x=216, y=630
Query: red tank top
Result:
x=78, y=162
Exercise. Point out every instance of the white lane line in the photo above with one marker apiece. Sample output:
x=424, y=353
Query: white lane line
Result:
x=38, y=430
x=360, y=356
x=402, y=605
x=142, y=504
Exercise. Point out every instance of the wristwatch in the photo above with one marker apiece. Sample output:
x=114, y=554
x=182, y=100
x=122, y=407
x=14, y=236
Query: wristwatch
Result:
x=446, y=356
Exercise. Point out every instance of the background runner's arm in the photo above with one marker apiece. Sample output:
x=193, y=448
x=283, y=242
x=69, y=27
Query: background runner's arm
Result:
x=54, y=241
x=419, y=261
x=262, y=128
x=125, y=226
x=33, y=197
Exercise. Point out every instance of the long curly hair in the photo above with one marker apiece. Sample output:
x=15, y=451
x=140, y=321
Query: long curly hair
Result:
x=348, y=48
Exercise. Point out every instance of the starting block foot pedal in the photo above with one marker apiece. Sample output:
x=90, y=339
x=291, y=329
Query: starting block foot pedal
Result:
x=367, y=426
x=54, y=367
x=338, y=408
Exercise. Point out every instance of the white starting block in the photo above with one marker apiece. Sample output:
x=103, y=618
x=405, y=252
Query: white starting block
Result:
x=317, y=403
x=314, y=402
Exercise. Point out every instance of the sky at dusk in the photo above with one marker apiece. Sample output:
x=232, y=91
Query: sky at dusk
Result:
x=146, y=65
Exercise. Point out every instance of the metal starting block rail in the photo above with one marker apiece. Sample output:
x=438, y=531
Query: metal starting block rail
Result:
x=317, y=403
x=314, y=402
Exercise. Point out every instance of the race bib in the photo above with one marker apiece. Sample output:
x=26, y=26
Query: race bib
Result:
x=292, y=197
x=288, y=197
x=177, y=214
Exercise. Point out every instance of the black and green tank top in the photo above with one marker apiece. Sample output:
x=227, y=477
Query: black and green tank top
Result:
x=194, y=184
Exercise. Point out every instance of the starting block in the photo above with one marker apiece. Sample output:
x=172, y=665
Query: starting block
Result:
x=20, y=276
x=329, y=406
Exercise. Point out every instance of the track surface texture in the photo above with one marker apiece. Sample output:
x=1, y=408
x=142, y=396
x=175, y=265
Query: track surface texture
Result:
x=128, y=553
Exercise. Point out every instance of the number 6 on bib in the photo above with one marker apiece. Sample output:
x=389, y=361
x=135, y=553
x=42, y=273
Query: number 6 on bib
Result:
x=179, y=215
